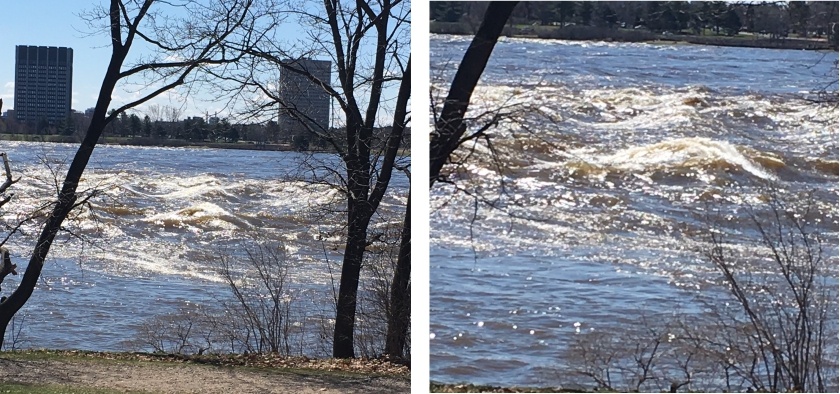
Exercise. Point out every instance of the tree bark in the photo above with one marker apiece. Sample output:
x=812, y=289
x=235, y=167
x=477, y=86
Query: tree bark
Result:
x=399, y=316
x=345, y=317
x=450, y=126
x=363, y=198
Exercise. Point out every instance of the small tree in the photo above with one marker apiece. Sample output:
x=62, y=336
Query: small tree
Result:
x=263, y=300
x=779, y=334
x=786, y=299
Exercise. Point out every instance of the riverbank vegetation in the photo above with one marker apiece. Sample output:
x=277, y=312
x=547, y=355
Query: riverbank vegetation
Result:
x=793, y=25
x=193, y=132
x=769, y=318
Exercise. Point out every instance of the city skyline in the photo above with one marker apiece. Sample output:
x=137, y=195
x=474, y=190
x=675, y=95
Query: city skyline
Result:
x=63, y=24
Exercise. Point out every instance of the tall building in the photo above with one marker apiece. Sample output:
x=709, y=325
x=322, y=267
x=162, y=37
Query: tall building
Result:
x=303, y=101
x=43, y=83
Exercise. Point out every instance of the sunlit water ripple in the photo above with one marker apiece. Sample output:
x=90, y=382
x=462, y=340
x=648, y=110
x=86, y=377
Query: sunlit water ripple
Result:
x=607, y=183
x=157, y=230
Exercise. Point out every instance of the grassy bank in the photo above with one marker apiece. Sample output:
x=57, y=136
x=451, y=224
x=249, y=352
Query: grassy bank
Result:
x=349, y=367
x=46, y=371
x=591, y=33
x=25, y=388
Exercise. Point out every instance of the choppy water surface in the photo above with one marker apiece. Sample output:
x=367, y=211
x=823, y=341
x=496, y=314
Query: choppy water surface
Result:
x=155, y=233
x=608, y=175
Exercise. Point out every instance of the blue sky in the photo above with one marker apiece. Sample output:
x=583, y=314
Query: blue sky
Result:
x=58, y=23
x=52, y=23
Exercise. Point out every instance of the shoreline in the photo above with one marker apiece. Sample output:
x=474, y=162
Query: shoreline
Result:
x=63, y=371
x=591, y=33
x=143, y=141
x=169, y=143
x=437, y=387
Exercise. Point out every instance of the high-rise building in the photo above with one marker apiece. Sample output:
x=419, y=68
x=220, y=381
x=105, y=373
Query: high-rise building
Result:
x=303, y=102
x=43, y=83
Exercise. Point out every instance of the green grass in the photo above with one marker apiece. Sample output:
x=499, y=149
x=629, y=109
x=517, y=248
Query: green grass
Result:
x=164, y=359
x=22, y=388
x=69, y=355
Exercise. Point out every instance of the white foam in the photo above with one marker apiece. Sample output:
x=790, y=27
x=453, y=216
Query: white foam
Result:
x=681, y=151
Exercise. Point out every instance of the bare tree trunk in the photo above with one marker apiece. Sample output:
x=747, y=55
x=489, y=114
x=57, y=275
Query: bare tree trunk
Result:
x=345, y=317
x=363, y=198
x=400, y=314
x=450, y=127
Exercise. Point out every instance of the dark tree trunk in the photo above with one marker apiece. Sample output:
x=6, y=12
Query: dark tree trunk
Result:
x=345, y=318
x=399, y=317
x=450, y=126
x=362, y=201
x=400, y=314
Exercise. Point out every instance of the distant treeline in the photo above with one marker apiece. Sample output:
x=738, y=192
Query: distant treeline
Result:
x=169, y=130
x=775, y=20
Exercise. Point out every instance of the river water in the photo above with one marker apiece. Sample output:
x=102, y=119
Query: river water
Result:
x=151, y=242
x=602, y=183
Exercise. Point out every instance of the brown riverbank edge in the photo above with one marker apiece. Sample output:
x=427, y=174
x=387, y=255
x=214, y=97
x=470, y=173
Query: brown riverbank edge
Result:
x=472, y=388
x=592, y=33
x=169, y=373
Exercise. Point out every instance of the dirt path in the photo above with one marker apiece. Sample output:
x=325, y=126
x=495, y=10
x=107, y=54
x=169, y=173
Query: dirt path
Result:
x=166, y=377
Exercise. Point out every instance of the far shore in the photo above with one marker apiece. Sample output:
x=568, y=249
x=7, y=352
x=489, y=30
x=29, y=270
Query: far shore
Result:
x=141, y=141
x=591, y=33
x=169, y=143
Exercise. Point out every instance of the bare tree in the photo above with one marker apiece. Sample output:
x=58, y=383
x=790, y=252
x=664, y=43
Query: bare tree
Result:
x=450, y=127
x=264, y=302
x=171, y=113
x=7, y=182
x=155, y=112
x=367, y=42
x=196, y=44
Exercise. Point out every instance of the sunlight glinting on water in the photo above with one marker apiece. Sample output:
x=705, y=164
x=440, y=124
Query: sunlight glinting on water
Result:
x=615, y=158
x=160, y=226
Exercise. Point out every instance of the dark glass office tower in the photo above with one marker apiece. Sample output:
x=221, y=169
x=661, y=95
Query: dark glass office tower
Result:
x=43, y=83
x=304, y=101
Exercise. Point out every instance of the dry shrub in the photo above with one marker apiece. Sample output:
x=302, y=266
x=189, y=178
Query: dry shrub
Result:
x=771, y=328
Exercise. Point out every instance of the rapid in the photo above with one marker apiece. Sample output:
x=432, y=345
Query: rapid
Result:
x=601, y=179
x=151, y=241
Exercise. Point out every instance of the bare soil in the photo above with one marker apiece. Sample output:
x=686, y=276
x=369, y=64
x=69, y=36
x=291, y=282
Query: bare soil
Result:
x=188, y=377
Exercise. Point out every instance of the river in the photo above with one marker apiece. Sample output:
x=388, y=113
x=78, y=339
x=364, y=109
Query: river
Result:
x=152, y=240
x=616, y=154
